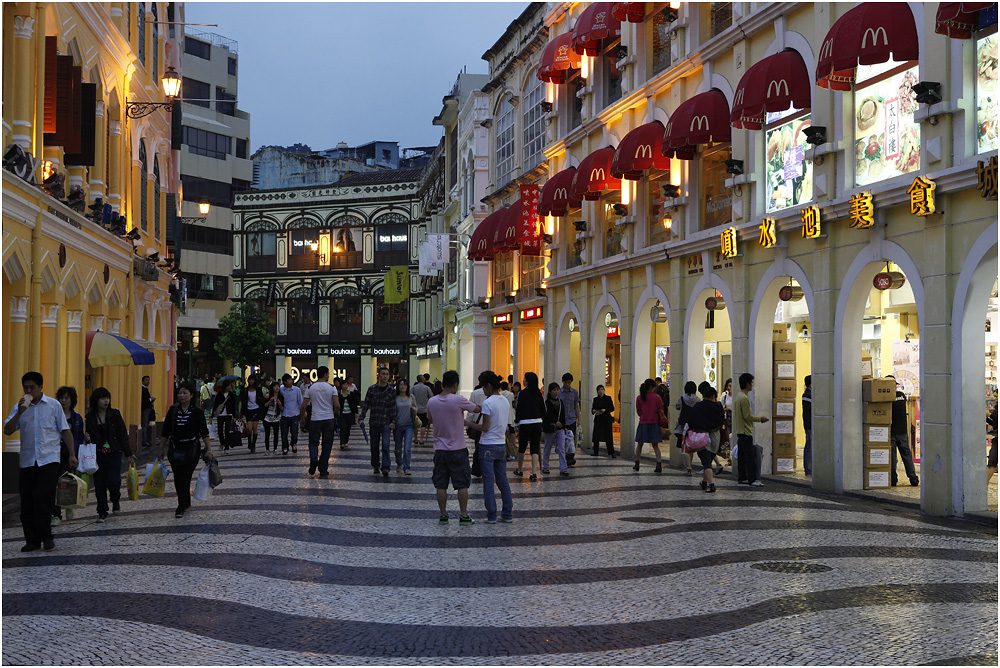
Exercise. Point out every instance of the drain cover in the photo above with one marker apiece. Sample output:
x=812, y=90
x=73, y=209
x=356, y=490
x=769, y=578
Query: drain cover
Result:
x=647, y=520
x=793, y=567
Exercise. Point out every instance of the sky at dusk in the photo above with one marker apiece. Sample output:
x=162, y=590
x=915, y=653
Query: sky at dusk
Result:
x=325, y=72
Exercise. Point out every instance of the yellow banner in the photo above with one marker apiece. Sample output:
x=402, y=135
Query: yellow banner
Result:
x=397, y=285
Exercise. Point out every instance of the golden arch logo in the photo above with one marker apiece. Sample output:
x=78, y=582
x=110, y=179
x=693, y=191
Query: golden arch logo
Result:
x=776, y=86
x=561, y=193
x=643, y=151
x=827, y=50
x=597, y=174
x=670, y=128
x=739, y=96
x=699, y=122
x=874, y=32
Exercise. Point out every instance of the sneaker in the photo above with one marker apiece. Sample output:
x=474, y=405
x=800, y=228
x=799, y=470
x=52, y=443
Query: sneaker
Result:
x=533, y=477
x=565, y=473
x=49, y=544
x=102, y=518
x=294, y=450
x=179, y=514
x=376, y=471
x=519, y=474
x=507, y=520
x=324, y=476
x=545, y=471
x=116, y=511
x=491, y=521
x=385, y=473
x=55, y=521
x=443, y=519
x=407, y=472
x=742, y=482
x=756, y=483
x=312, y=468
x=465, y=520
x=399, y=469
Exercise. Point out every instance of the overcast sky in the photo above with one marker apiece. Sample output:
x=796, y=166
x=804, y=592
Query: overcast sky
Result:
x=321, y=73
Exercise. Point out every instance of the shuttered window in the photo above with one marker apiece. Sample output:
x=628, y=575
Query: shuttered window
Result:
x=143, y=215
x=156, y=46
x=156, y=197
x=141, y=32
x=88, y=128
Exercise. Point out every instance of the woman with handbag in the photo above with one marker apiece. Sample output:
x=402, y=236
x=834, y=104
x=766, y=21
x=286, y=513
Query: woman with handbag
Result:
x=553, y=422
x=67, y=397
x=182, y=428
x=684, y=405
x=604, y=422
x=402, y=426
x=106, y=428
x=224, y=411
x=253, y=406
x=272, y=416
x=649, y=408
x=707, y=419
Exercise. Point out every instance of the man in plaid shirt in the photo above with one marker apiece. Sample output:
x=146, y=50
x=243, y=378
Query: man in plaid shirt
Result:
x=381, y=401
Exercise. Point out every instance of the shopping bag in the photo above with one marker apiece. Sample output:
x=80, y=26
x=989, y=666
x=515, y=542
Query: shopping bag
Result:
x=695, y=441
x=155, y=481
x=214, y=475
x=240, y=427
x=88, y=458
x=163, y=465
x=132, y=481
x=569, y=442
x=71, y=491
x=203, y=487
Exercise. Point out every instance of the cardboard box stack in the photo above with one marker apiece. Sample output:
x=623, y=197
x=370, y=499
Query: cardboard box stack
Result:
x=783, y=416
x=877, y=395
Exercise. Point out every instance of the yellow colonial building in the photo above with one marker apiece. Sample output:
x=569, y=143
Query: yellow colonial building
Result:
x=85, y=195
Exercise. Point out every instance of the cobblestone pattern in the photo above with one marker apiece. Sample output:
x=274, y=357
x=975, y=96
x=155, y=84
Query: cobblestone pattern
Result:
x=605, y=567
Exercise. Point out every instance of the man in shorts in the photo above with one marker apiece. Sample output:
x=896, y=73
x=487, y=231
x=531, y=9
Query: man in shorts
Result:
x=451, y=455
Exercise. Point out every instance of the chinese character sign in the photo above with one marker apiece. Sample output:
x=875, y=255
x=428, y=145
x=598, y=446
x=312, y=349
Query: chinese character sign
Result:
x=531, y=240
x=921, y=194
x=986, y=174
x=767, y=233
x=729, y=242
x=862, y=211
x=810, y=222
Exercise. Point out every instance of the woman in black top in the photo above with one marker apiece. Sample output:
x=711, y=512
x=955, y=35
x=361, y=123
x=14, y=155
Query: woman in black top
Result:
x=601, y=409
x=225, y=410
x=708, y=417
x=106, y=428
x=253, y=402
x=528, y=419
x=182, y=427
x=553, y=422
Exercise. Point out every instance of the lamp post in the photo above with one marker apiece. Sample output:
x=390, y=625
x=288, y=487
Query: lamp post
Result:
x=203, y=208
x=171, y=89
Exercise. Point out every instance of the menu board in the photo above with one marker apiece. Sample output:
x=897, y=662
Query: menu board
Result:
x=663, y=363
x=986, y=93
x=789, y=174
x=711, y=362
x=886, y=138
x=906, y=366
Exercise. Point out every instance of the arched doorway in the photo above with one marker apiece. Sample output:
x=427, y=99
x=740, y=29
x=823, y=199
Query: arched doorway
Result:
x=650, y=355
x=709, y=338
x=879, y=336
x=567, y=346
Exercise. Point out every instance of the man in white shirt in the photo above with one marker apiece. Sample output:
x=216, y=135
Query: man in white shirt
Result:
x=291, y=404
x=325, y=402
x=492, y=447
x=43, y=427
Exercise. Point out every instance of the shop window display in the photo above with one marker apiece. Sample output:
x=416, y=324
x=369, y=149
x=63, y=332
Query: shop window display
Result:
x=613, y=232
x=886, y=138
x=656, y=231
x=302, y=241
x=716, y=198
x=987, y=103
x=789, y=174
x=261, y=243
x=503, y=276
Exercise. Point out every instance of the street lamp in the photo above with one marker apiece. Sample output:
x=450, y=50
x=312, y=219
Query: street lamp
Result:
x=203, y=208
x=171, y=89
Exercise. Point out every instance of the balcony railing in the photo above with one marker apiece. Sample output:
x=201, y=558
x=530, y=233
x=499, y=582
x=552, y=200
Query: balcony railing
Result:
x=308, y=262
x=262, y=263
x=391, y=258
x=347, y=260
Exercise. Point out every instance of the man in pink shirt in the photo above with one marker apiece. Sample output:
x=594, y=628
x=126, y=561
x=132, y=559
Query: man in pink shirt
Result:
x=446, y=413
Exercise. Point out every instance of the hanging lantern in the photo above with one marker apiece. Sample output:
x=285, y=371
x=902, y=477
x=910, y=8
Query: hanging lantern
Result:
x=657, y=313
x=889, y=280
x=790, y=293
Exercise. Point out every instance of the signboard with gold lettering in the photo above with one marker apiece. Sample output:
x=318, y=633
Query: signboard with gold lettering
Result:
x=862, y=211
x=811, y=228
x=986, y=175
x=502, y=319
x=768, y=235
x=531, y=313
x=921, y=194
x=729, y=242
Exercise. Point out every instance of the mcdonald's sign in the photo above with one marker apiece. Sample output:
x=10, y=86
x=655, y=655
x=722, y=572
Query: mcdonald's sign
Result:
x=874, y=32
x=643, y=151
x=778, y=86
x=700, y=121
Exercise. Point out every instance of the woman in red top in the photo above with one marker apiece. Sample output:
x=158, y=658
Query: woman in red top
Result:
x=649, y=407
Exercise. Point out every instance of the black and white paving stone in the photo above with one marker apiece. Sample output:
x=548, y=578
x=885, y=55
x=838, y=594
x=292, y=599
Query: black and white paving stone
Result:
x=607, y=566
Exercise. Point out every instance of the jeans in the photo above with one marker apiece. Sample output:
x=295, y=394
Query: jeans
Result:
x=901, y=442
x=807, y=453
x=380, y=440
x=37, y=487
x=747, y=458
x=404, y=442
x=557, y=438
x=290, y=423
x=271, y=428
x=493, y=463
x=318, y=429
x=108, y=480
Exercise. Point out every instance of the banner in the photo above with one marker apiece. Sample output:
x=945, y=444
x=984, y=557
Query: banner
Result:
x=314, y=292
x=439, y=250
x=397, y=285
x=530, y=236
x=272, y=293
x=425, y=266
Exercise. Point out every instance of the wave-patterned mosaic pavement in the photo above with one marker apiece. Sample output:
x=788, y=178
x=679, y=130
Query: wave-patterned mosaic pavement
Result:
x=607, y=566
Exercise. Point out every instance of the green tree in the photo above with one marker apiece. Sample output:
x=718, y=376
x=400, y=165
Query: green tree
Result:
x=245, y=336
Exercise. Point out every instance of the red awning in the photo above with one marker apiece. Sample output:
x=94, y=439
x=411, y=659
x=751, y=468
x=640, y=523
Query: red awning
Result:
x=869, y=34
x=593, y=176
x=558, y=58
x=639, y=151
x=505, y=232
x=481, y=244
x=557, y=195
x=774, y=84
x=595, y=25
x=633, y=12
x=701, y=120
x=959, y=19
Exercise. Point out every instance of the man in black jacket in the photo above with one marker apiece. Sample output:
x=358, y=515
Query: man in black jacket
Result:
x=807, y=425
x=899, y=433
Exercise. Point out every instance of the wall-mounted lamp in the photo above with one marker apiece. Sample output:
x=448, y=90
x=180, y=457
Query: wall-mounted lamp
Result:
x=620, y=209
x=815, y=135
x=928, y=92
x=508, y=299
x=540, y=292
x=546, y=106
x=734, y=167
x=547, y=238
x=203, y=209
x=621, y=51
x=668, y=226
x=580, y=225
x=483, y=304
x=488, y=123
x=670, y=191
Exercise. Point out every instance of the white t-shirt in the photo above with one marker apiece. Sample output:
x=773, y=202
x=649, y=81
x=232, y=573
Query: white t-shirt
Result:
x=509, y=396
x=320, y=397
x=498, y=409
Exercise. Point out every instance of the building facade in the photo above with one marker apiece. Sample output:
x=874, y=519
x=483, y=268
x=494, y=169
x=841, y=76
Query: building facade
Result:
x=314, y=260
x=84, y=195
x=768, y=188
x=215, y=164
